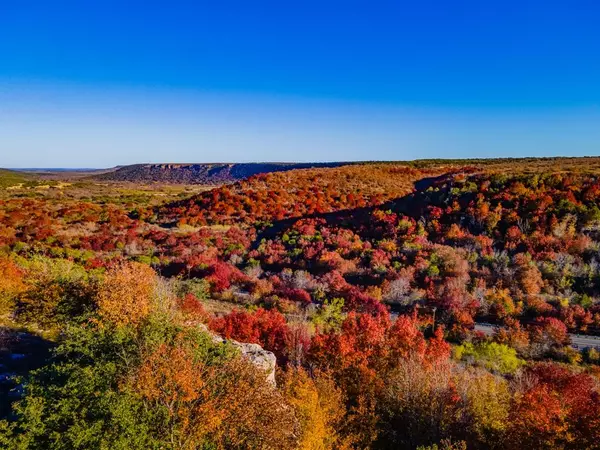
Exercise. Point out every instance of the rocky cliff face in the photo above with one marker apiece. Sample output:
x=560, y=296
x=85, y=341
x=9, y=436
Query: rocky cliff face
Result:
x=210, y=174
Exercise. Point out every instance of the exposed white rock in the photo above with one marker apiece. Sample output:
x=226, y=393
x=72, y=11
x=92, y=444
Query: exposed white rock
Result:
x=257, y=355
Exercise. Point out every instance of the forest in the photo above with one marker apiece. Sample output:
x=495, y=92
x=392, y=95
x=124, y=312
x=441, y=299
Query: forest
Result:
x=436, y=304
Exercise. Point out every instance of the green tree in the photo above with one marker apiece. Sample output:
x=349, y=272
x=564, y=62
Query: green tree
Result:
x=330, y=315
x=498, y=358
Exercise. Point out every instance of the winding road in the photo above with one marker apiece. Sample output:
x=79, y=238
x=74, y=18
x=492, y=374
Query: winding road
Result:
x=578, y=341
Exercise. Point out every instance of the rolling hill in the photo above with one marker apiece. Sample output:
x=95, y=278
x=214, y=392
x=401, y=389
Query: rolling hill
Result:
x=296, y=193
x=9, y=178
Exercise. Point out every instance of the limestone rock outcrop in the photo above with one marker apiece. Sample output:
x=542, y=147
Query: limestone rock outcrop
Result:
x=257, y=355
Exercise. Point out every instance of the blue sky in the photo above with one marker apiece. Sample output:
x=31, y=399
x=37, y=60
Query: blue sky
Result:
x=96, y=84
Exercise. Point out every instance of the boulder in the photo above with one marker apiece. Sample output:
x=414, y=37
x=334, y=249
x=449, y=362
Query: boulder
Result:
x=257, y=355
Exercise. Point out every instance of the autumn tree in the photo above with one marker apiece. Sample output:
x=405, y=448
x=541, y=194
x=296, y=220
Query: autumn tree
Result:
x=11, y=284
x=125, y=294
x=227, y=404
x=55, y=292
x=265, y=327
x=320, y=408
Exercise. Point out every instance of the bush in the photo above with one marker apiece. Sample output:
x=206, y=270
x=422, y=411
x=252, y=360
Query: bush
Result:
x=56, y=292
x=498, y=358
x=124, y=295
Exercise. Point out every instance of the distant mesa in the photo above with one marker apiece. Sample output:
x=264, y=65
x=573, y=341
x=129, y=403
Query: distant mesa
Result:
x=210, y=173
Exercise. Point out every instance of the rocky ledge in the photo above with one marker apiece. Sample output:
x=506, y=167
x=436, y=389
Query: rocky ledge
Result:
x=257, y=355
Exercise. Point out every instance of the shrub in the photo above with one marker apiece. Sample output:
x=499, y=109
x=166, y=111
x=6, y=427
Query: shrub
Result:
x=498, y=358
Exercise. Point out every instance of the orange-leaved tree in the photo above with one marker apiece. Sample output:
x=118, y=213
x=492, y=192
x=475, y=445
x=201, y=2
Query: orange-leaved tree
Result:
x=125, y=294
x=222, y=403
x=11, y=284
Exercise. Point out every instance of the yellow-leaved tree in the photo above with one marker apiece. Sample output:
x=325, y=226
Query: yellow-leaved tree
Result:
x=319, y=406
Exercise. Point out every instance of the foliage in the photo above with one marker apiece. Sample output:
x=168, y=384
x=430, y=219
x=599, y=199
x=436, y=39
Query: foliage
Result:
x=320, y=409
x=11, y=284
x=54, y=291
x=125, y=293
x=330, y=315
x=497, y=358
x=268, y=197
x=445, y=445
x=159, y=386
x=307, y=264
x=268, y=328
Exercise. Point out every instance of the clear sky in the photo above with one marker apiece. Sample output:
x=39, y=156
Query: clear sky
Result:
x=101, y=83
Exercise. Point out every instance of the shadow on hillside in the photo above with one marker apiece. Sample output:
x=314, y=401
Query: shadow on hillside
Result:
x=410, y=205
x=20, y=353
